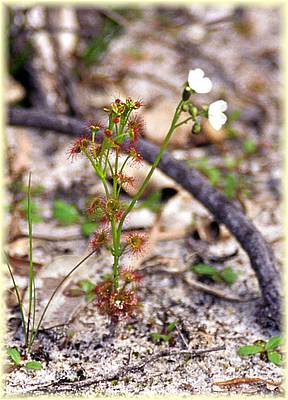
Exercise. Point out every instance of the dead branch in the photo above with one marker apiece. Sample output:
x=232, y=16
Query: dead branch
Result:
x=224, y=211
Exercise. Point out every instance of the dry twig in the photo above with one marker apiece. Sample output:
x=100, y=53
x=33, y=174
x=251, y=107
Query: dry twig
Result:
x=237, y=381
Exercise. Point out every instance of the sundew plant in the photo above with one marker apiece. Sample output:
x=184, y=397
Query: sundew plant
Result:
x=110, y=148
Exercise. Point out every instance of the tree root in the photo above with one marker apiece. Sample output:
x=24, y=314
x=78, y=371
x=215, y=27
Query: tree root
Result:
x=224, y=211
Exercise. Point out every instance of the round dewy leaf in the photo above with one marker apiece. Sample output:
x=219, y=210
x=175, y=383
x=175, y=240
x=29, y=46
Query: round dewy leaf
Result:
x=250, y=349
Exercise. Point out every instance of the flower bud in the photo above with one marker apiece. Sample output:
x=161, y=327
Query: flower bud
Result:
x=185, y=107
x=193, y=111
x=186, y=93
x=205, y=108
x=196, y=128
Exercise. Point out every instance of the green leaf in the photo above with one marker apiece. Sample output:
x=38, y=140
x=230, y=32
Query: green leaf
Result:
x=230, y=185
x=165, y=338
x=228, y=275
x=273, y=342
x=249, y=146
x=213, y=174
x=90, y=296
x=65, y=213
x=250, y=349
x=88, y=228
x=155, y=336
x=171, y=326
x=86, y=285
x=33, y=365
x=204, y=269
x=275, y=357
x=14, y=354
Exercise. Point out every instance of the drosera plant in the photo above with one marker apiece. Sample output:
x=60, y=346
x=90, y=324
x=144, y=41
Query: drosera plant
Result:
x=110, y=147
x=269, y=348
x=166, y=335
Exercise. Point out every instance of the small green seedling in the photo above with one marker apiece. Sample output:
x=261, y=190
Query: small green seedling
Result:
x=225, y=275
x=84, y=288
x=16, y=358
x=267, y=347
x=166, y=334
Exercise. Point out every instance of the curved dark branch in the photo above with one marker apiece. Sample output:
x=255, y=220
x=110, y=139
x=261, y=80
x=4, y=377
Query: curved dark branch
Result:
x=224, y=211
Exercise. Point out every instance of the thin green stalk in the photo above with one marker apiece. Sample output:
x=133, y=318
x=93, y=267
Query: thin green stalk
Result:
x=98, y=172
x=115, y=177
x=154, y=165
x=106, y=162
x=20, y=305
x=124, y=122
x=111, y=168
x=183, y=122
x=124, y=163
x=116, y=254
x=34, y=311
x=55, y=291
x=31, y=271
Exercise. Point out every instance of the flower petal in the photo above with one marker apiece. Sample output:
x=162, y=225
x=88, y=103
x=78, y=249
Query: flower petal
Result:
x=215, y=122
x=197, y=81
x=205, y=87
x=215, y=114
x=218, y=106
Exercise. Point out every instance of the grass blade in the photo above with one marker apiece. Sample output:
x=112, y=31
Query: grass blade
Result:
x=20, y=305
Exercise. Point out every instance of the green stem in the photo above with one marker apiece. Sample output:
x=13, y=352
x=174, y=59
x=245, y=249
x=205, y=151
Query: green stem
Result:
x=31, y=272
x=183, y=122
x=154, y=165
x=98, y=172
x=116, y=254
x=20, y=306
x=123, y=165
x=55, y=291
x=115, y=177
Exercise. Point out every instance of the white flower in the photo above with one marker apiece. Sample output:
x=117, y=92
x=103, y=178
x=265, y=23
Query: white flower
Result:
x=197, y=82
x=216, y=116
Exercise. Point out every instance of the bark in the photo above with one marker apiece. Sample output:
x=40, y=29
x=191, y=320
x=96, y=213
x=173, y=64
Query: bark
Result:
x=225, y=212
